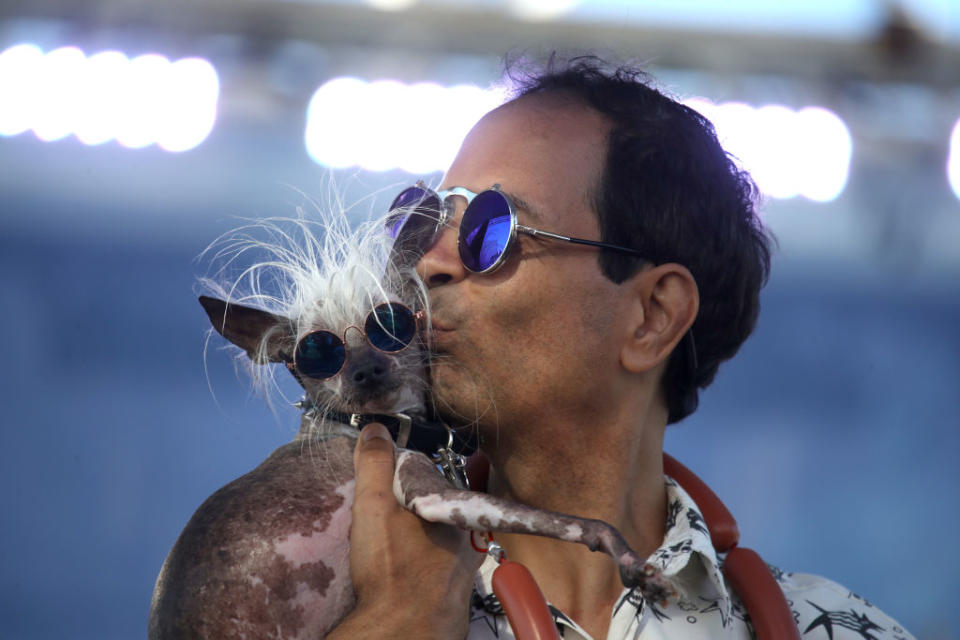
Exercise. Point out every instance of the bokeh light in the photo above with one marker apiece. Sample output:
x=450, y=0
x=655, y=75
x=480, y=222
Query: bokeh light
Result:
x=21, y=68
x=391, y=5
x=953, y=160
x=541, y=10
x=385, y=124
x=106, y=96
x=788, y=152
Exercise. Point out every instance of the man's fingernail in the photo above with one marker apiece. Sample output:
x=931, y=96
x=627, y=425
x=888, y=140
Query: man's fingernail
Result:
x=375, y=430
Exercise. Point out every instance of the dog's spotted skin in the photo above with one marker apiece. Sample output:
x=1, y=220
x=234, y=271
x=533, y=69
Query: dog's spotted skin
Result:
x=419, y=488
x=267, y=556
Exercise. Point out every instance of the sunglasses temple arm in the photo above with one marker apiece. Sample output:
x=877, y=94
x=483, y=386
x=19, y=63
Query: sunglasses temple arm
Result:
x=593, y=243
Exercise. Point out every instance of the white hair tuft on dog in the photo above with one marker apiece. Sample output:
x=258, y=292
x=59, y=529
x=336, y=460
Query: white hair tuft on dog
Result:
x=320, y=274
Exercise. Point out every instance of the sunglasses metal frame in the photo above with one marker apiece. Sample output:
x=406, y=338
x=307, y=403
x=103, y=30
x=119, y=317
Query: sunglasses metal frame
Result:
x=446, y=212
x=417, y=319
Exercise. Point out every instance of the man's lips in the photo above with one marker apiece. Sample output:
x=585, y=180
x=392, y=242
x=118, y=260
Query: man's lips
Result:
x=440, y=330
x=438, y=325
x=441, y=334
x=440, y=321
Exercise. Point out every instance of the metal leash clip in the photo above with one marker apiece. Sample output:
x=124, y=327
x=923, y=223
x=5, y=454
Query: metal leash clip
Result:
x=451, y=464
x=496, y=552
x=404, y=424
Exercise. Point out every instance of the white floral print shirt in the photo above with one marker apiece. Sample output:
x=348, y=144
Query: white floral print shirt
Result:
x=704, y=607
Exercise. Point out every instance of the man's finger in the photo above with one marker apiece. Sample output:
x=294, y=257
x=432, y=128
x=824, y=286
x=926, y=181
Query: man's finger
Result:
x=373, y=461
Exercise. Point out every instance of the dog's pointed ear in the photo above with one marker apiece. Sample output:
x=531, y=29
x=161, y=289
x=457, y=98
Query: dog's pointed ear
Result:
x=266, y=337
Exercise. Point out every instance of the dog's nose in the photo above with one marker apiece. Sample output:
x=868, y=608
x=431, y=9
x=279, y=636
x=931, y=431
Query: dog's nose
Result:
x=368, y=370
x=371, y=375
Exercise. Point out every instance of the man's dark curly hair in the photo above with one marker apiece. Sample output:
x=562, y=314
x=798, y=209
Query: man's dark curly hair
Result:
x=669, y=190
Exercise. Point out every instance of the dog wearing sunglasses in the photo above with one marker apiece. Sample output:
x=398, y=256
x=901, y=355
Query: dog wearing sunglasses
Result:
x=268, y=554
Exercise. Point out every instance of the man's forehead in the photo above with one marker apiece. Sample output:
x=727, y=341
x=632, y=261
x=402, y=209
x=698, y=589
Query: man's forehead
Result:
x=538, y=150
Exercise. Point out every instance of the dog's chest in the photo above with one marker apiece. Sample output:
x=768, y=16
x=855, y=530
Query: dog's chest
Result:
x=310, y=572
x=267, y=552
x=298, y=560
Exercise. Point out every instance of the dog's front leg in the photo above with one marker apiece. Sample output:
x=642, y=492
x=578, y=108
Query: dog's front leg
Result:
x=421, y=489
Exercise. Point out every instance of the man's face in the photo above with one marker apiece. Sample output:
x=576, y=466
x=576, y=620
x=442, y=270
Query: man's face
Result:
x=541, y=334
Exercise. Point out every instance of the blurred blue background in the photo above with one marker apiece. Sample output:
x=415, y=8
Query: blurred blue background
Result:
x=833, y=436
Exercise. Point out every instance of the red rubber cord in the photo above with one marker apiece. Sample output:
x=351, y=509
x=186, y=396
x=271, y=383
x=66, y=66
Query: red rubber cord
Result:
x=744, y=569
x=748, y=575
x=523, y=602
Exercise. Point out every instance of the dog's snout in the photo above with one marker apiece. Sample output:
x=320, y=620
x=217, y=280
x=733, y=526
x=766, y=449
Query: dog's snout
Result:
x=373, y=374
x=368, y=370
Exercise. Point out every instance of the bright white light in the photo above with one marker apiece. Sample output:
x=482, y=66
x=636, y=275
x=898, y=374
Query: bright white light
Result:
x=100, y=106
x=385, y=125
x=21, y=67
x=189, y=119
x=391, y=5
x=146, y=89
x=57, y=88
x=827, y=150
x=788, y=153
x=541, y=10
x=327, y=142
x=377, y=147
x=953, y=160
x=139, y=102
x=774, y=166
x=426, y=115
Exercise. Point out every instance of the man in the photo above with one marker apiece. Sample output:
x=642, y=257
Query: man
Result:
x=571, y=360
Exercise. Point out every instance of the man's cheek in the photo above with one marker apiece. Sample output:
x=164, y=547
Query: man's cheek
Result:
x=510, y=320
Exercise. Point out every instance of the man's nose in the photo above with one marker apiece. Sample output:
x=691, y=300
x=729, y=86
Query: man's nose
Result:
x=440, y=264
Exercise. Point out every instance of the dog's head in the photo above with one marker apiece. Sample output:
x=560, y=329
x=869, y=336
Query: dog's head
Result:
x=343, y=317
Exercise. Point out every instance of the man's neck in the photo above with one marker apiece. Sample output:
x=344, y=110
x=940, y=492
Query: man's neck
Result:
x=612, y=472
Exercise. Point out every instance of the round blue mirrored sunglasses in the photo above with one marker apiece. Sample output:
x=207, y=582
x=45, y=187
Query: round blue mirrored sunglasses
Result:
x=390, y=328
x=488, y=228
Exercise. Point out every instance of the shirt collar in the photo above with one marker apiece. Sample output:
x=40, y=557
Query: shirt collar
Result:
x=686, y=557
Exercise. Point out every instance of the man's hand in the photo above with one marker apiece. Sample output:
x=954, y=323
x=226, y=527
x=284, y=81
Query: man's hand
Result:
x=412, y=578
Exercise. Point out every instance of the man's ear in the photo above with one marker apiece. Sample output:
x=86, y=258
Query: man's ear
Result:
x=265, y=337
x=665, y=304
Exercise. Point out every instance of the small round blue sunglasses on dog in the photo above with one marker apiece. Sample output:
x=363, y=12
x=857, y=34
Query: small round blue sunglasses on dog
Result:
x=488, y=228
x=390, y=328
